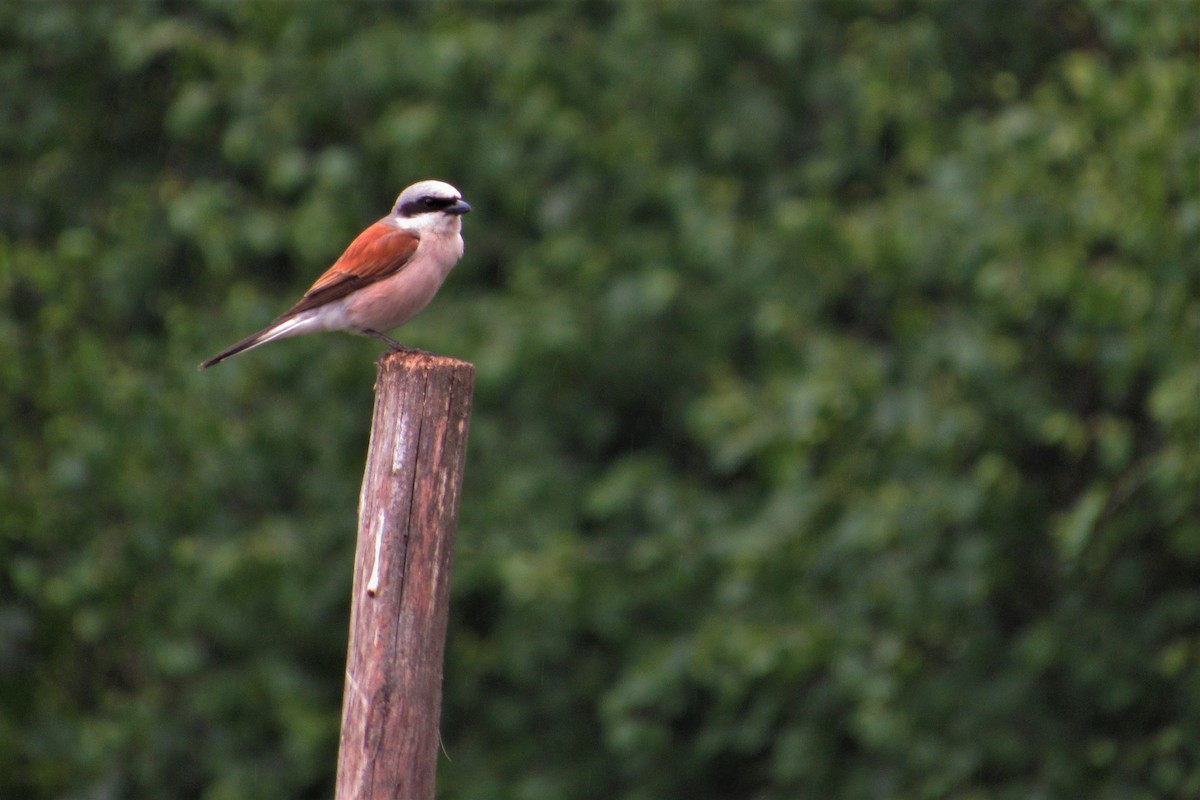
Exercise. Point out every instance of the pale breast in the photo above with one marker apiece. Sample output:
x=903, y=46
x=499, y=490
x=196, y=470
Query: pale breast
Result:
x=392, y=301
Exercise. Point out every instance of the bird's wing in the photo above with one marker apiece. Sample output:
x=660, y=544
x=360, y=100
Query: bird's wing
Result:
x=379, y=252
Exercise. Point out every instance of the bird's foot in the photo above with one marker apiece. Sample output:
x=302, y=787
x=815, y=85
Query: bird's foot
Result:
x=396, y=347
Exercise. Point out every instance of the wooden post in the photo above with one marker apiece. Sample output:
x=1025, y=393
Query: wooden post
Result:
x=391, y=706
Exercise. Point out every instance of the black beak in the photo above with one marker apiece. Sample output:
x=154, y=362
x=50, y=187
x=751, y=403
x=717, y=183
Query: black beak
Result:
x=459, y=208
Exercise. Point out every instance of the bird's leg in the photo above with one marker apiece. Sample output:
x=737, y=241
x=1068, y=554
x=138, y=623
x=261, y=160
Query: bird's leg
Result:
x=394, y=344
x=383, y=338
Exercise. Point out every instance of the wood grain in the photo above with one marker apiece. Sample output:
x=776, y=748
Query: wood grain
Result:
x=408, y=511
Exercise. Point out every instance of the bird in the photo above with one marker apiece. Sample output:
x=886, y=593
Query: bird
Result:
x=386, y=276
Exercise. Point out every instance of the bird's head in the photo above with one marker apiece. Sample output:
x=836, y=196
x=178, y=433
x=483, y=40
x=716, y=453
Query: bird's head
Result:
x=429, y=204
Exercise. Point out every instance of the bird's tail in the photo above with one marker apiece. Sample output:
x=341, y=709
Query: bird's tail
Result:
x=278, y=330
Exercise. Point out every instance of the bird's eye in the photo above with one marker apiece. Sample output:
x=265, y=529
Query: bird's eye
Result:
x=430, y=202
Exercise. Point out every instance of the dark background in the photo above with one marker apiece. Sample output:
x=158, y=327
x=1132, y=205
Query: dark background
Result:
x=837, y=425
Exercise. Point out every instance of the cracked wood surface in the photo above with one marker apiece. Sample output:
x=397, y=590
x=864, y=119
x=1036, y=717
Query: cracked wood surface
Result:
x=408, y=510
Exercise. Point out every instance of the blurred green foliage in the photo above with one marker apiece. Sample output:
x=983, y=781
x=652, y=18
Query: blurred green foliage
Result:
x=837, y=430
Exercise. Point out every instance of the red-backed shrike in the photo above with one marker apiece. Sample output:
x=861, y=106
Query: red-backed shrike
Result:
x=389, y=273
